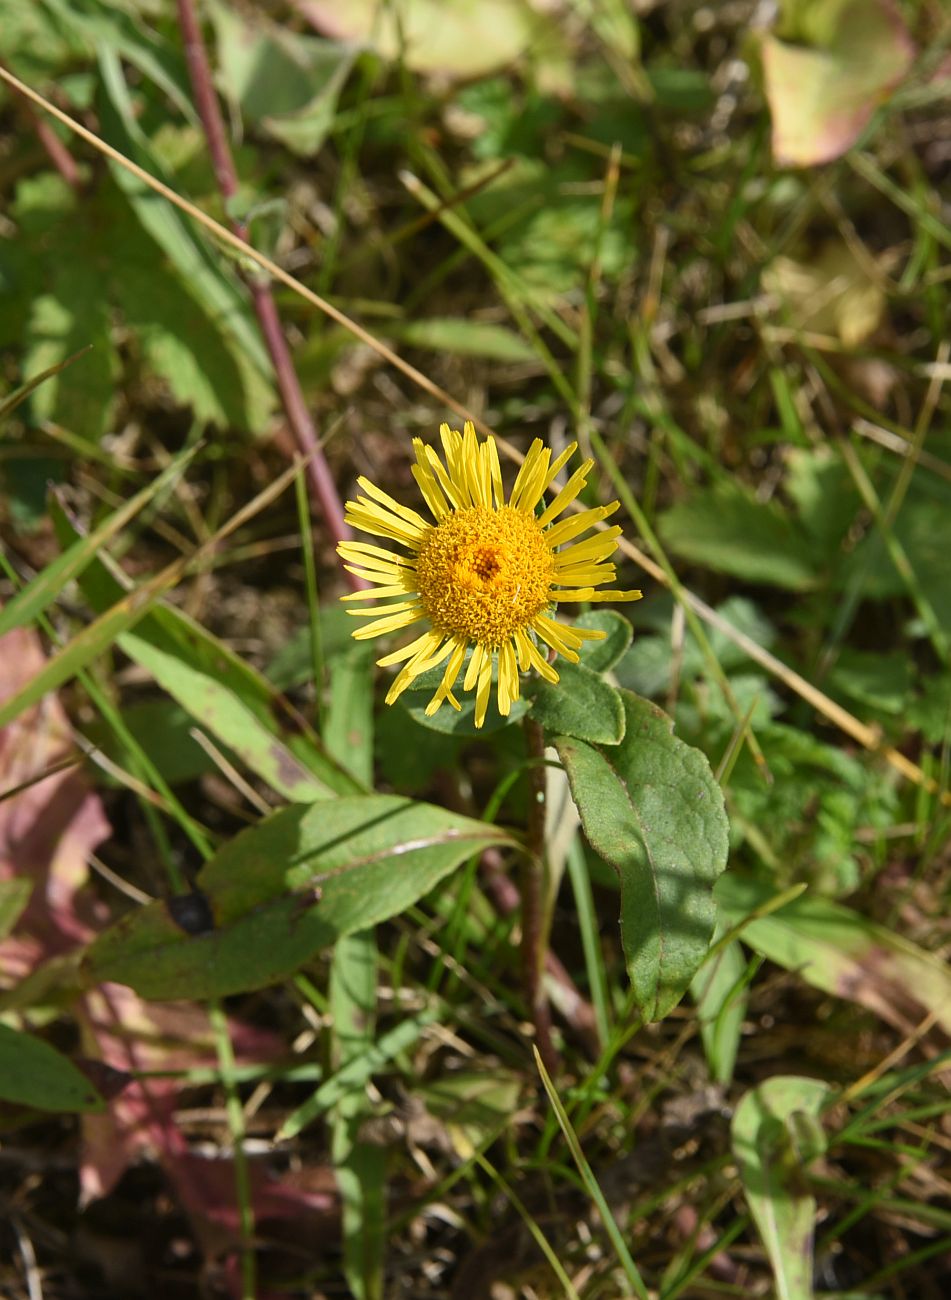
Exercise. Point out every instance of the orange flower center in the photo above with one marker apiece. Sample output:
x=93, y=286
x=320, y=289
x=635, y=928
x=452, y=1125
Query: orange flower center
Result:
x=482, y=574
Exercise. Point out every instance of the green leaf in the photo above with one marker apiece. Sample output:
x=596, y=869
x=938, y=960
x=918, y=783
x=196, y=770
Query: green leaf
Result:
x=841, y=952
x=600, y=656
x=725, y=529
x=719, y=988
x=359, y=1166
x=580, y=704
x=67, y=320
x=652, y=809
x=776, y=1133
x=284, y=889
x=14, y=896
x=34, y=1074
x=465, y=338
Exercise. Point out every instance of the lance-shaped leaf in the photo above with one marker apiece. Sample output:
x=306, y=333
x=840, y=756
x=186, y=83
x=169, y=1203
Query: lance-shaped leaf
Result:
x=776, y=1133
x=34, y=1074
x=282, y=890
x=652, y=808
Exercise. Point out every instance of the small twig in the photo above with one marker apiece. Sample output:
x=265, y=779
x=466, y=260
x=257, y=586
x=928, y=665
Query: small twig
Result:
x=320, y=479
x=533, y=897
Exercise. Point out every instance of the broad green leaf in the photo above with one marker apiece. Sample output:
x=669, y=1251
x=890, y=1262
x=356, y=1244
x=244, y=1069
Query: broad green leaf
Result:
x=822, y=94
x=466, y=338
x=652, y=809
x=14, y=896
x=47, y=585
x=348, y=722
x=73, y=316
x=287, y=887
x=580, y=704
x=842, y=952
x=34, y=1074
x=776, y=1133
x=600, y=656
x=725, y=529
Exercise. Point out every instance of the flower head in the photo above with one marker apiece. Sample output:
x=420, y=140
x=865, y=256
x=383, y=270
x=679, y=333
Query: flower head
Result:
x=487, y=571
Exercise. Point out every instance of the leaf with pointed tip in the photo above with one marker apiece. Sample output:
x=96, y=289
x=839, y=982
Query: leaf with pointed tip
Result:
x=282, y=890
x=776, y=1133
x=34, y=1074
x=652, y=809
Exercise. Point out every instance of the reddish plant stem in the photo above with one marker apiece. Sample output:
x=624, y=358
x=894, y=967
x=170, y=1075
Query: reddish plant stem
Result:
x=534, y=946
x=320, y=480
x=56, y=151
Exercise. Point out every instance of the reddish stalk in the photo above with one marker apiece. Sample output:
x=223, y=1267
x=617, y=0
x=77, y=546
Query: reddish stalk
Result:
x=320, y=480
x=56, y=151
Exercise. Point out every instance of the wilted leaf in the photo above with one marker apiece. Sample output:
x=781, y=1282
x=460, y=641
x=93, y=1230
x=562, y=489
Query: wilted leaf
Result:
x=822, y=94
x=652, y=809
x=776, y=1133
x=49, y=827
x=842, y=952
x=294, y=883
x=832, y=293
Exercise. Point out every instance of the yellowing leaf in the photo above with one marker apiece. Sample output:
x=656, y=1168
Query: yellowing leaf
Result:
x=822, y=95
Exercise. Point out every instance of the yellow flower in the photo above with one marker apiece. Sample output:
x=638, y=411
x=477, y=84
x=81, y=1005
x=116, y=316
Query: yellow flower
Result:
x=485, y=573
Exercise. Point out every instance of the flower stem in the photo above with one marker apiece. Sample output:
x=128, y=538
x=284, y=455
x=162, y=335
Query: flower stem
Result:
x=533, y=897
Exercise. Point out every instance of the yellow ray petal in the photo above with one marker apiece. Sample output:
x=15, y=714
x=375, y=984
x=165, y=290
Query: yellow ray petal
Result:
x=384, y=499
x=391, y=624
x=567, y=493
x=475, y=667
x=557, y=463
x=529, y=467
x=407, y=651
x=563, y=532
x=432, y=493
x=483, y=688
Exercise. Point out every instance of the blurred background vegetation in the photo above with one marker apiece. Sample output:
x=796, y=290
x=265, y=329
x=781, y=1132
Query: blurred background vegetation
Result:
x=711, y=242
